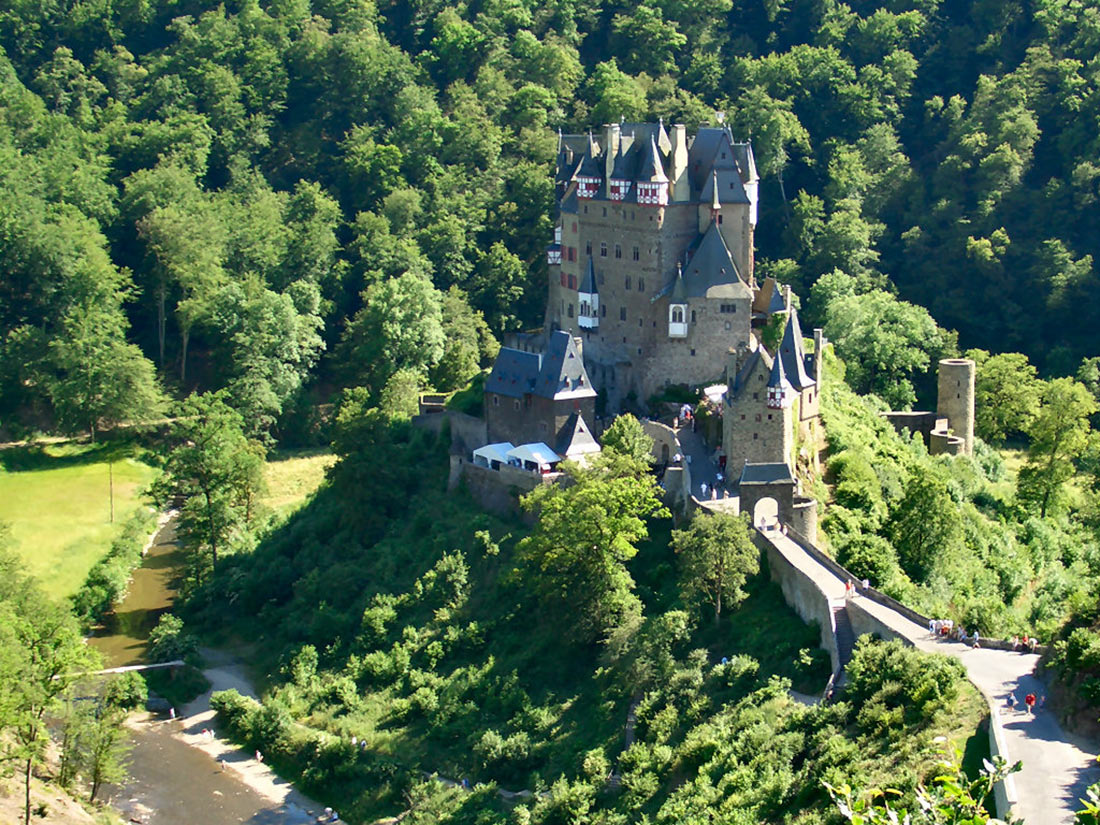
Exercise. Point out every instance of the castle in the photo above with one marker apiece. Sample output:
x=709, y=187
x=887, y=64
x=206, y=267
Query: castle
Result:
x=652, y=259
x=652, y=284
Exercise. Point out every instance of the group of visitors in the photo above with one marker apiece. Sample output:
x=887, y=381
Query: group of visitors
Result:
x=1028, y=643
x=945, y=629
x=1030, y=700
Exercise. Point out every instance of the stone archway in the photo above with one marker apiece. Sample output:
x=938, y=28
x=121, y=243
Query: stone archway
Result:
x=766, y=512
x=760, y=483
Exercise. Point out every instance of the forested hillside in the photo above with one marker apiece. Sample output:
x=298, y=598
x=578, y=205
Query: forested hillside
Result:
x=289, y=196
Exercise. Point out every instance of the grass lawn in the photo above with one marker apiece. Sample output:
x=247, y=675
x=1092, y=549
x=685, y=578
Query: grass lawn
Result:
x=292, y=476
x=56, y=500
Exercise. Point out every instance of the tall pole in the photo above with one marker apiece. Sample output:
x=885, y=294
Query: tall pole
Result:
x=111, y=485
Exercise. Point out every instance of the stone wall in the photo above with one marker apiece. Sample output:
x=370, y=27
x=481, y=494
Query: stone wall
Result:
x=498, y=491
x=802, y=594
x=677, y=479
x=467, y=432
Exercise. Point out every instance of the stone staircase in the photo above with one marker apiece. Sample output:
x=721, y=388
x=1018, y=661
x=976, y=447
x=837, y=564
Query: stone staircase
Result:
x=845, y=636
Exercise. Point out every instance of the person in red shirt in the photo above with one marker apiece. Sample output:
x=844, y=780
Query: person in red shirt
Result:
x=1029, y=700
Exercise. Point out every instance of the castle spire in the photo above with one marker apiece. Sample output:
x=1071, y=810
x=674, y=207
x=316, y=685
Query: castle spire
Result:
x=715, y=204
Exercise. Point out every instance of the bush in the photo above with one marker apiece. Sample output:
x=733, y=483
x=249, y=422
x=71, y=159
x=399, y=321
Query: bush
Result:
x=168, y=641
x=890, y=675
x=127, y=691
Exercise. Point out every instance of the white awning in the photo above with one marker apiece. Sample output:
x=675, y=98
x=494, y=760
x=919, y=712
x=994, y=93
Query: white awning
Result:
x=485, y=456
x=538, y=454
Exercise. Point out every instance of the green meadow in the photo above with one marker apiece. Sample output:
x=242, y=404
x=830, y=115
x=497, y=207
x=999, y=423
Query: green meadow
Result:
x=56, y=502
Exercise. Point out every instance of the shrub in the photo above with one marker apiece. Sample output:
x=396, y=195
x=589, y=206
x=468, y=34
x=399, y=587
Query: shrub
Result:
x=897, y=676
x=126, y=691
x=169, y=641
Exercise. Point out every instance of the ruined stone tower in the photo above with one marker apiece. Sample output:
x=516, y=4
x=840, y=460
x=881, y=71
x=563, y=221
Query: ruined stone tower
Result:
x=956, y=399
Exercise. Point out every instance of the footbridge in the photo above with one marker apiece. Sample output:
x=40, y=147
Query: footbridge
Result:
x=1057, y=766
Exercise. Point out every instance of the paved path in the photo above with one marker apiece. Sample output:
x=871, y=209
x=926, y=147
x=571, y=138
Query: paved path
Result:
x=703, y=468
x=1057, y=766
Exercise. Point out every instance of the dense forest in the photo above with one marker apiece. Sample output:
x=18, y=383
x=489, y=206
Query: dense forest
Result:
x=276, y=221
x=285, y=198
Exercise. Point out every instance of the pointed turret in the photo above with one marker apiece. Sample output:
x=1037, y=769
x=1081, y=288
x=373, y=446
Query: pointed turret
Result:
x=652, y=181
x=618, y=185
x=589, y=174
x=589, y=299
x=678, y=307
x=792, y=354
x=780, y=391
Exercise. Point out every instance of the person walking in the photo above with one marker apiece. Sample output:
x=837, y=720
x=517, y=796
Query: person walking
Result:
x=1029, y=700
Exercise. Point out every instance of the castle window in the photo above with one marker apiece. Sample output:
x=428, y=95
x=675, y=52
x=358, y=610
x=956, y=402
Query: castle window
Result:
x=639, y=350
x=723, y=156
x=496, y=400
x=572, y=253
x=728, y=309
x=693, y=353
x=756, y=396
x=603, y=310
x=769, y=416
x=605, y=208
x=570, y=310
x=618, y=251
x=742, y=416
x=588, y=247
x=639, y=322
x=628, y=282
x=719, y=218
x=622, y=313
x=603, y=249
x=758, y=418
x=677, y=315
x=586, y=209
x=641, y=284
x=564, y=279
x=636, y=253
x=755, y=436
x=572, y=281
x=515, y=404
x=693, y=316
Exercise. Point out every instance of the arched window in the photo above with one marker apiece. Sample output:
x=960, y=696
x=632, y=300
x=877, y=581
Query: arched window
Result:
x=677, y=315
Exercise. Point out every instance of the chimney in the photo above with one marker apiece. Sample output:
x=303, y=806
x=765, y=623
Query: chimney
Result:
x=678, y=164
x=610, y=148
x=580, y=346
x=819, y=354
x=787, y=296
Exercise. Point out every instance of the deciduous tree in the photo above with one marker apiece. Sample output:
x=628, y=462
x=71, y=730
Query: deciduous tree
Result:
x=716, y=557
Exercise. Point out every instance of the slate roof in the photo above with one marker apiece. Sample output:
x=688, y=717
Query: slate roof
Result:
x=746, y=371
x=710, y=265
x=576, y=439
x=793, y=356
x=727, y=180
x=650, y=169
x=778, y=377
x=588, y=280
x=514, y=372
x=562, y=374
x=770, y=473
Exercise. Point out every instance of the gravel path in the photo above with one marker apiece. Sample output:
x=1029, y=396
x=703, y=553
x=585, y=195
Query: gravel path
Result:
x=1057, y=766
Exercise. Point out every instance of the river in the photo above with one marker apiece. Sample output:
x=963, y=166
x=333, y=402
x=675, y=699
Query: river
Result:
x=171, y=782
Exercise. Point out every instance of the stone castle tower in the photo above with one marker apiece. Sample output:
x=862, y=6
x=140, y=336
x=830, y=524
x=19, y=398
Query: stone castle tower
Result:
x=955, y=399
x=652, y=260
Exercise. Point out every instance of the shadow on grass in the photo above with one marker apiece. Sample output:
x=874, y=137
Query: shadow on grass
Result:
x=301, y=452
x=58, y=456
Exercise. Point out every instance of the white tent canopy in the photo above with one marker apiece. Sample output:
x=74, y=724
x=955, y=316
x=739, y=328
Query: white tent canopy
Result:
x=493, y=455
x=537, y=456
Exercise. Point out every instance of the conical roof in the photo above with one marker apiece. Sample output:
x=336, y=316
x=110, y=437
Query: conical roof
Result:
x=588, y=281
x=679, y=291
x=651, y=170
x=792, y=355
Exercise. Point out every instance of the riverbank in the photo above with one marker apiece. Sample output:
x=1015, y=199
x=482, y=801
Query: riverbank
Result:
x=185, y=771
